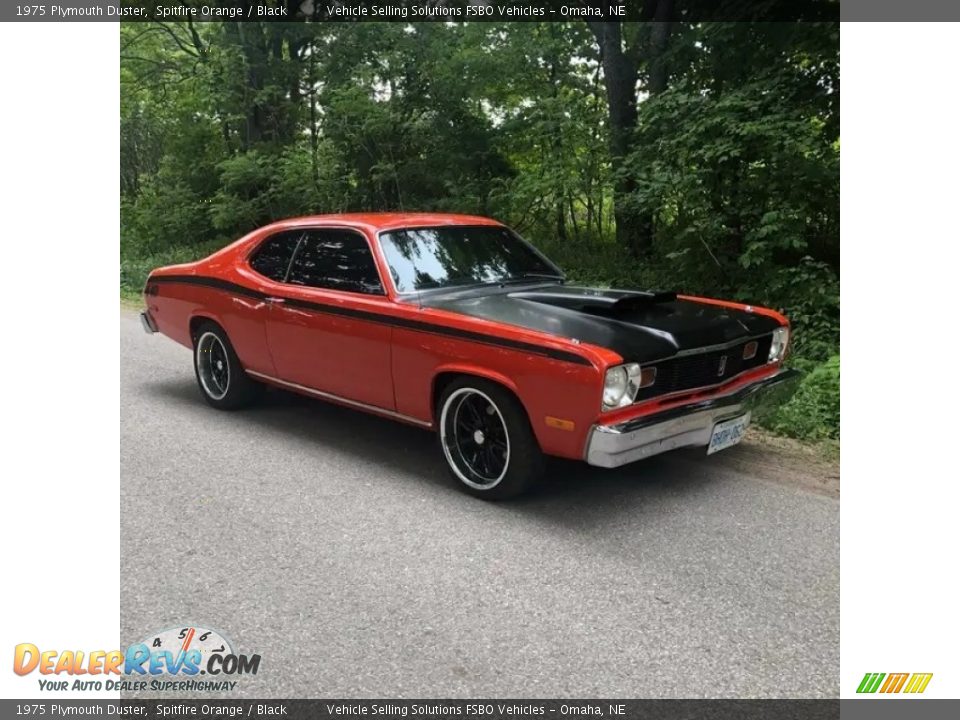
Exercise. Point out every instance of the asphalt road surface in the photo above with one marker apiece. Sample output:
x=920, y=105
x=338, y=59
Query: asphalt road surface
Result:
x=333, y=544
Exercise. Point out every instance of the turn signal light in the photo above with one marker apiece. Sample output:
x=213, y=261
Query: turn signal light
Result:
x=648, y=376
x=559, y=423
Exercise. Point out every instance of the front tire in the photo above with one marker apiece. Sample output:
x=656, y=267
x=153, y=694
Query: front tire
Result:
x=222, y=380
x=487, y=440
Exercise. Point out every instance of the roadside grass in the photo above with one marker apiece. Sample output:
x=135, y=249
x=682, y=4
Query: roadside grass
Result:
x=130, y=299
x=134, y=267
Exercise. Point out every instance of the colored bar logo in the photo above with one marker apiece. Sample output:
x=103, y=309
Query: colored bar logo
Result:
x=894, y=682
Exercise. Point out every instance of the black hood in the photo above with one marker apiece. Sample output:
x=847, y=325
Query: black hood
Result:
x=640, y=327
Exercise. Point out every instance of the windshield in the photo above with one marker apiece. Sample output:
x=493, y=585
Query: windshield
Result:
x=436, y=257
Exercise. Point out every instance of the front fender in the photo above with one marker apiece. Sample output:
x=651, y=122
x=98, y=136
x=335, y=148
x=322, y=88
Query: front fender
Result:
x=476, y=371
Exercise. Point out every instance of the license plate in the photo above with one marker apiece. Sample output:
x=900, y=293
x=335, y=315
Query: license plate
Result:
x=728, y=433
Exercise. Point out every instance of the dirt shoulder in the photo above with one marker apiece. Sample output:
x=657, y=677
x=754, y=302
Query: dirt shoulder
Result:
x=778, y=459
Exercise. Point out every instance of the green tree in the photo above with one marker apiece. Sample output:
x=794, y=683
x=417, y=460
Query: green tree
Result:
x=697, y=156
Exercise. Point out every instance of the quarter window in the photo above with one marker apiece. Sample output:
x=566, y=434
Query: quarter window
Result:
x=336, y=260
x=273, y=256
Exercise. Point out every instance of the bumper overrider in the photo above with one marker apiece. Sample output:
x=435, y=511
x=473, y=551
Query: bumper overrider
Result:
x=148, y=323
x=690, y=425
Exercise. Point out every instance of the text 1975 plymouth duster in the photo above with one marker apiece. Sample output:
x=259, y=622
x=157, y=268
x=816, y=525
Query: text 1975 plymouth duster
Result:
x=454, y=323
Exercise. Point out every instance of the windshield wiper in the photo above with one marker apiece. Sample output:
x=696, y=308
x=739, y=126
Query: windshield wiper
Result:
x=524, y=277
x=444, y=284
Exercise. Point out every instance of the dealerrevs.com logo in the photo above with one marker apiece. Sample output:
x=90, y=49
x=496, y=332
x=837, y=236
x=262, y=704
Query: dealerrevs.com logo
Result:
x=186, y=658
x=910, y=683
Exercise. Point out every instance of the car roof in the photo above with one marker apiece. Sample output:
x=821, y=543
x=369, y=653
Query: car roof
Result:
x=377, y=222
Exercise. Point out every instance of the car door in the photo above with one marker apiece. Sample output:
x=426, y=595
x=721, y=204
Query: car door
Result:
x=247, y=323
x=324, y=333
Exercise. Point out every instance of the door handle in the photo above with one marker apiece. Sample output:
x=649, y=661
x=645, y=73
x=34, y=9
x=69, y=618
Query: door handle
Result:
x=276, y=300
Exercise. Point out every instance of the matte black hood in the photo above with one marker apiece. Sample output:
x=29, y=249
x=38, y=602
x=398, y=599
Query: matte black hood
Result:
x=641, y=327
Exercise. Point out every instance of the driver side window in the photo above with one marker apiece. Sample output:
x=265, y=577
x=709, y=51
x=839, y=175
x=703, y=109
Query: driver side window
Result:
x=336, y=259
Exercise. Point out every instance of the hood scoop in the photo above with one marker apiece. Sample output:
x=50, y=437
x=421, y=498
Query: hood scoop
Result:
x=605, y=303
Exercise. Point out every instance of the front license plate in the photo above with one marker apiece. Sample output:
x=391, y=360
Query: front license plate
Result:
x=728, y=433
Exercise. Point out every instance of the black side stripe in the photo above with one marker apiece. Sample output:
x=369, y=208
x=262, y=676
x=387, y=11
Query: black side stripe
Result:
x=415, y=325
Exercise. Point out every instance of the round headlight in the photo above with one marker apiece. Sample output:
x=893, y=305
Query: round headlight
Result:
x=614, y=386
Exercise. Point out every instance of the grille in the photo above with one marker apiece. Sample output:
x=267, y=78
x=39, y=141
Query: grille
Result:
x=703, y=370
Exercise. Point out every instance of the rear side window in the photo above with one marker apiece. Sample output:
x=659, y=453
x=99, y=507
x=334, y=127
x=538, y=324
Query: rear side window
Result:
x=336, y=260
x=272, y=258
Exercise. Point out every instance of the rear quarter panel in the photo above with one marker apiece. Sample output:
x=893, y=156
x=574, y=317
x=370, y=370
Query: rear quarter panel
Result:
x=175, y=305
x=170, y=305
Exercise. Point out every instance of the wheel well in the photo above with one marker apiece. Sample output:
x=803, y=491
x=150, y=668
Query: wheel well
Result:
x=196, y=321
x=443, y=380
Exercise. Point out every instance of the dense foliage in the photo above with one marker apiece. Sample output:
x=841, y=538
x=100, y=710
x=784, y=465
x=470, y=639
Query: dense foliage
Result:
x=717, y=172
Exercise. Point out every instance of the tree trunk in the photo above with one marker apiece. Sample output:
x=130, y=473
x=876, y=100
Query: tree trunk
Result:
x=621, y=66
x=620, y=71
x=658, y=71
x=561, y=221
x=251, y=130
x=659, y=44
x=556, y=143
x=314, y=134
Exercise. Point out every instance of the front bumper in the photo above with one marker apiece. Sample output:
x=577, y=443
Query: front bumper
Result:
x=149, y=324
x=690, y=425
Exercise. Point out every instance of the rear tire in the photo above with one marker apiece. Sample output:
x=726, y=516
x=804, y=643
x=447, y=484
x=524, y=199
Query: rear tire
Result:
x=486, y=440
x=222, y=380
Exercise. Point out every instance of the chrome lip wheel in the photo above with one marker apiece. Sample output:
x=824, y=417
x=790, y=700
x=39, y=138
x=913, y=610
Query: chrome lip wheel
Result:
x=213, y=366
x=475, y=438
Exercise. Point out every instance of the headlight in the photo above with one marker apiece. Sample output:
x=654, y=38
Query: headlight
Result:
x=614, y=386
x=778, y=348
x=620, y=385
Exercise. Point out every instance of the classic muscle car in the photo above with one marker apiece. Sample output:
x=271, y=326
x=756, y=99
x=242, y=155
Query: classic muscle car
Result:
x=456, y=324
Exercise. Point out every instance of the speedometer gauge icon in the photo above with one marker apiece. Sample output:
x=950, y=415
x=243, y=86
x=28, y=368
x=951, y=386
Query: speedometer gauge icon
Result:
x=182, y=640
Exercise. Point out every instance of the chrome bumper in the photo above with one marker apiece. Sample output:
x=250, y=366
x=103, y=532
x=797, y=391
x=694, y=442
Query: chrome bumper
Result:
x=149, y=326
x=615, y=445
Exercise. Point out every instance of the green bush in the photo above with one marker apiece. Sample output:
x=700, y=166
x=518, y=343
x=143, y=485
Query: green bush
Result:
x=166, y=214
x=813, y=413
x=258, y=188
x=134, y=269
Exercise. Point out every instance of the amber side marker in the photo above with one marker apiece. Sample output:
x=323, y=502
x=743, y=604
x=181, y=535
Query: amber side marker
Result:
x=559, y=423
